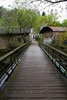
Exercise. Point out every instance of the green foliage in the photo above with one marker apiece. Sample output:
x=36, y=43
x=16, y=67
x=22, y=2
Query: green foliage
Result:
x=60, y=38
x=37, y=38
x=48, y=20
x=22, y=18
x=9, y=18
x=1, y=21
x=26, y=18
x=37, y=25
x=51, y=20
x=2, y=10
x=64, y=23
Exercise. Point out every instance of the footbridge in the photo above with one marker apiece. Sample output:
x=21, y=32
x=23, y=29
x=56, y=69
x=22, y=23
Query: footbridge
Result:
x=33, y=72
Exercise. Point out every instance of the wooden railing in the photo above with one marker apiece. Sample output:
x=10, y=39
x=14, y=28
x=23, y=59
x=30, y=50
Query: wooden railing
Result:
x=58, y=58
x=9, y=61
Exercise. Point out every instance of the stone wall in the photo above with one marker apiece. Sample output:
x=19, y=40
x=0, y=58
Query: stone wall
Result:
x=3, y=42
x=12, y=40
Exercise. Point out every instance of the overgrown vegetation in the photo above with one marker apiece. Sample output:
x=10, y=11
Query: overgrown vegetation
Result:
x=20, y=18
x=28, y=18
x=60, y=42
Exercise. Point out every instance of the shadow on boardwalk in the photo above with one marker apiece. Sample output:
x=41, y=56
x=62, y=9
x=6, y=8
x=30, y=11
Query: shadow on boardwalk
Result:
x=35, y=78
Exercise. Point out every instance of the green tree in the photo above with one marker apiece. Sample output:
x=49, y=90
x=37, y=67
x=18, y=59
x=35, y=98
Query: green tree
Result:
x=9, y=18
x=48, y=20
x=26, y=18
x=64, y=23
x=43, y=13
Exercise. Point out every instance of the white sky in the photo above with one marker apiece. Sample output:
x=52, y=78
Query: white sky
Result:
x=60, y=7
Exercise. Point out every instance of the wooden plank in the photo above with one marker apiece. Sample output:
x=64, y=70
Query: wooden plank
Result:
x=36, y=78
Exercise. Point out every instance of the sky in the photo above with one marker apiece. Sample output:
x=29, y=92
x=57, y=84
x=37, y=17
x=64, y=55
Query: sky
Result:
x=41, y=6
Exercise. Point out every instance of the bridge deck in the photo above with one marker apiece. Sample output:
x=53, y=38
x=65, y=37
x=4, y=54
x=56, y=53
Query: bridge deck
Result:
x=35, y=78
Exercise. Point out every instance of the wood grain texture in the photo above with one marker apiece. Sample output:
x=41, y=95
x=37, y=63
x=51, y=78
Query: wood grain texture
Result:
x=36, y=78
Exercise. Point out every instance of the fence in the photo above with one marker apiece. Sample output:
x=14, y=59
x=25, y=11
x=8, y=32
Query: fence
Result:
x=58, y=58
x=9, y=61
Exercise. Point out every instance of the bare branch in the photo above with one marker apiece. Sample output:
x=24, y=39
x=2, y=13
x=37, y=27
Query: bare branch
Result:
x=55, y=1
x=45, y=7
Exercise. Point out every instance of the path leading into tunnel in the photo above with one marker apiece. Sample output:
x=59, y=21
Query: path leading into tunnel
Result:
x=35, y=78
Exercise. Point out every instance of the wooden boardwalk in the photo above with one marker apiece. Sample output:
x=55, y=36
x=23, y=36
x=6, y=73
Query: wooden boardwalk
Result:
x=35, y=78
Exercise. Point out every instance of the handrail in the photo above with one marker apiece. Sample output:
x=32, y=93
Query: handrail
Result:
x=58, y=57
x=7, y=61
x=64, y=54
x=8, y=54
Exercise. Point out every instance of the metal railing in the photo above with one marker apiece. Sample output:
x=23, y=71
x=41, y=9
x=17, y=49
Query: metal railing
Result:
x=58, y=57
x=9, y=61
